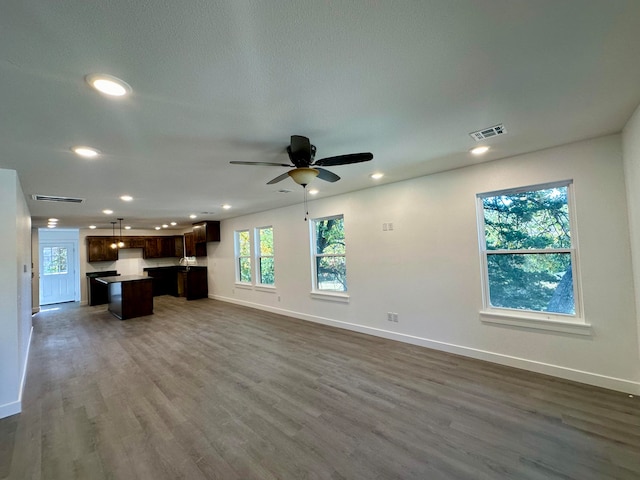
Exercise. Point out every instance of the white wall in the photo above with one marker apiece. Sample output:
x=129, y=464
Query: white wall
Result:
x=631, y=155
x=15, y=291
x=428, y=268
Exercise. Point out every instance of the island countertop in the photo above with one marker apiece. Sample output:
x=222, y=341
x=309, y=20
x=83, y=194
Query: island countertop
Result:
x=122, y=279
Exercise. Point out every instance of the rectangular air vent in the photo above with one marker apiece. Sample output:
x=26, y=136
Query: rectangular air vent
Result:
x=488, y=132
x=54, y=198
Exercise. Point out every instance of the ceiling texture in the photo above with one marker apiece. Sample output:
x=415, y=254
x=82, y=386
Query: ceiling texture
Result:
x=215, y=81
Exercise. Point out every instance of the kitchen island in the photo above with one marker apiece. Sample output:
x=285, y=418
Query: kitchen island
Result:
x=129, y=295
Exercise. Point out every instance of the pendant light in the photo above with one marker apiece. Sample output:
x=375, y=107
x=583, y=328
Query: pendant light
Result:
x=120, y=242
x=114, y=245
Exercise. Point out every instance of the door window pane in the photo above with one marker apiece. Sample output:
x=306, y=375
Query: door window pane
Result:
x=54, y=260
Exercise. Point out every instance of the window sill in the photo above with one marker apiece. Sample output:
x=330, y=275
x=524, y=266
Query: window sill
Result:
x=330, y=296
x=531, y=321
x=246, y=286
x=266, y=288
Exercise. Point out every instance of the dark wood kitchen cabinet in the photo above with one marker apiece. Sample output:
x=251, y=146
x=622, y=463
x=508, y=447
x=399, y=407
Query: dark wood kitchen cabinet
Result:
x=163, y=247
x=99, y=249
x=189, y=245
x=133, y=242
x=208, y=231
x=196, y=241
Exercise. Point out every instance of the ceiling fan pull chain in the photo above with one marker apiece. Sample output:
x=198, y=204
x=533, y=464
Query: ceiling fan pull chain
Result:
x=306, y=206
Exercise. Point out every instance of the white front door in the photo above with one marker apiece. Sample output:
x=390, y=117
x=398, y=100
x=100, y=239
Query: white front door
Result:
x=57, y=272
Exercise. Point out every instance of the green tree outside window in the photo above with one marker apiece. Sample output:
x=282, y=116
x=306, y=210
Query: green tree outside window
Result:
x=528, y=249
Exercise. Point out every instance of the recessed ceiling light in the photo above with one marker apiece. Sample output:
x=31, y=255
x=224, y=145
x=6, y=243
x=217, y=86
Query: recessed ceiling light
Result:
x=193, y=215
x=226, y=206
x=173, y=224
x=479, y=150
x=51, y=225
x=377, y=175
x=164, y=225
x=126, y=198
x=158, y=228
x=313, y=191
x=86, y=152
x=92, y=227
x=108, y=84
x=53, y=220
x=107, y=211
x=127, y=227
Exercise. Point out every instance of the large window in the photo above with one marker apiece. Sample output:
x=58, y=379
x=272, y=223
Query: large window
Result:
x=264, y=256
x=329, y=260
x=528, y=250
x=243, y=256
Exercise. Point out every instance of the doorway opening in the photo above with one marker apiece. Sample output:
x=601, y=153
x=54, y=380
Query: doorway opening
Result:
x=59, y=267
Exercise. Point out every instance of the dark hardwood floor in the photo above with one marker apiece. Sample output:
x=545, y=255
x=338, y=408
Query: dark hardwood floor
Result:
x=205, y=389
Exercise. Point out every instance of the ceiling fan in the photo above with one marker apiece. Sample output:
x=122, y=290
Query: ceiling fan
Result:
x=305, y=167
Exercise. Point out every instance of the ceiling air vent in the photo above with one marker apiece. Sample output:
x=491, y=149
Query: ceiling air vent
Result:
x=488, y=132
x=54, y=198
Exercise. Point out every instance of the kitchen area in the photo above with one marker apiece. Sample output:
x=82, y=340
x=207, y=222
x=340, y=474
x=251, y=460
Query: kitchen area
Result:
x=146, y=266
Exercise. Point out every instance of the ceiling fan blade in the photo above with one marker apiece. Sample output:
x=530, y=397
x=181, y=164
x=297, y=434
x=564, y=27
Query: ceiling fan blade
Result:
x=344, y=159
x=261, y=163
x=327, y=176
x=279, y=178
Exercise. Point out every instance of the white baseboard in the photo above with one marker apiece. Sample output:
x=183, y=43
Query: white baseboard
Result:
x=9, y=409
x=590, y=378
x=35, y=310
x=12, y=408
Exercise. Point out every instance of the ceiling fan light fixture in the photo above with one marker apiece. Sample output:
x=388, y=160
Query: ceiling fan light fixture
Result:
x=303, y=176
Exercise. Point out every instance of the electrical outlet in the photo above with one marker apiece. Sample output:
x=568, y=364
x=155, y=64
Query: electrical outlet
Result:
x=389, y=317
x=395, y=317
x=278, y=297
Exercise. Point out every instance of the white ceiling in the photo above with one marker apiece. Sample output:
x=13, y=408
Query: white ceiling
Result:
x=215, y=81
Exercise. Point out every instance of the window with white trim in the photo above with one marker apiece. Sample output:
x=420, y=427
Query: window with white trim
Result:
x=264, y=256
x=528, y=250
x=243, y=256
x=329, y=254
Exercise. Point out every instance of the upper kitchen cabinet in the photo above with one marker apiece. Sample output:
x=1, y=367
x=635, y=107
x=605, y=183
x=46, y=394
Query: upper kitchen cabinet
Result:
x=208, y=231
x=196, y=241
x=163, y=247
x=99, y=249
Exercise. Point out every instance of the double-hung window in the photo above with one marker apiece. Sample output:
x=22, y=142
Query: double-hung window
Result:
x=243, y=256
x=528, y=250
x=329, y=254
x=264, y=256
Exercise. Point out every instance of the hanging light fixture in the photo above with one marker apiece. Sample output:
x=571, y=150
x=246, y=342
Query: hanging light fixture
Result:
x=114, y=245
x=120, y=242
x=303, y=175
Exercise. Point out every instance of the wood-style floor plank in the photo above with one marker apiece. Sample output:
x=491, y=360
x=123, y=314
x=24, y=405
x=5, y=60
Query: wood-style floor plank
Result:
x=209, y=390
